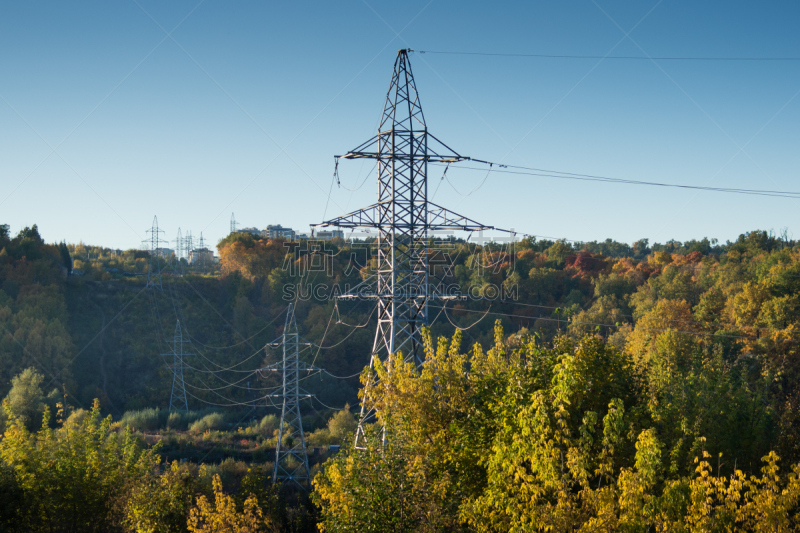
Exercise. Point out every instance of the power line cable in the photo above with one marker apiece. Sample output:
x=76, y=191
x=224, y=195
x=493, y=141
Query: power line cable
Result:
x=684, y=321
x=696, y=333
x=342, y=377
x=444, y=309
x=323, y=336
x=321, y=347
x=588, y=177
x=363, y=182
x=639, y=58
x=326, y=406
x=252, y=403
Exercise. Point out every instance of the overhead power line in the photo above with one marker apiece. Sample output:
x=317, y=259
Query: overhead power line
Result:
x=544, y=173
x=584, y=323
x=639, y=58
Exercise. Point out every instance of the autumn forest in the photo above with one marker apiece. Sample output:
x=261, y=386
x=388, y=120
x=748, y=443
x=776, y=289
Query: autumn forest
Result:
x=571, y=386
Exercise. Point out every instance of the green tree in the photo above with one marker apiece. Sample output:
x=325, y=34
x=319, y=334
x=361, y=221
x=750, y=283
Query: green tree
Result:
x=73, y=476
x=342, y=424
x=25, y=399
x=160, y=503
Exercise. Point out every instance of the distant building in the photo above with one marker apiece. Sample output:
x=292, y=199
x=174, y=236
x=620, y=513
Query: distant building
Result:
x=201, y=256
x=277, y=231
x=165, y=252
x=327, y=235
x=255, y=232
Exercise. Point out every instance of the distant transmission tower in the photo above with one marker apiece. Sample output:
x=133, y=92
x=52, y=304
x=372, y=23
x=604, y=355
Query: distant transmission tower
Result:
x=202, y=254
x=291, y=461
x=177, y=399
x=154, y=244
x=179, y=253
x=405, y=220
x=233, y=224
x=188, y=245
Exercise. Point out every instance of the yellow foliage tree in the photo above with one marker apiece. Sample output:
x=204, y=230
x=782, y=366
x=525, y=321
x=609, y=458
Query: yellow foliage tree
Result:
x=223, y=516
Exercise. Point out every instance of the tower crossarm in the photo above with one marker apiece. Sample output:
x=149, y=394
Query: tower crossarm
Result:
x=375, y=148
x=278, y=367
x=367, y=217
x=439, y=219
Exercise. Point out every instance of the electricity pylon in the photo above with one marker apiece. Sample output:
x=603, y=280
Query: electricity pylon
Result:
x=179, y=253
x=154, y=243
x=233, y=224
x=405, y=220
x=177, y=398
x=202, y=254
x=188, y=245
x=291, y=459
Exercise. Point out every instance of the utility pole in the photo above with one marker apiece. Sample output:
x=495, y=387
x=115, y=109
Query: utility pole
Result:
x=291, y=425
x=177, y=398
x=154, y=243
x=405, y=220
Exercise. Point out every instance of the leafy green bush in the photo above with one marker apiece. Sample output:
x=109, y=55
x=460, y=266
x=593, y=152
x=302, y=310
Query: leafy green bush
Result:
x=210, y=421
x=176, y=421
x=145, y=419
x=268, y=425
x=320, y=437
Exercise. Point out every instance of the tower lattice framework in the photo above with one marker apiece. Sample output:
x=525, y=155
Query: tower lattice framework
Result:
x=154, y=243
x=177, y=398
x=188, y=245
x=202, y=253
x=405, y=220
x=291, y=459
x=179, y=245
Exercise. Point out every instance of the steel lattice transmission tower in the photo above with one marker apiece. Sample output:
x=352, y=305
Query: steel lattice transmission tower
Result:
x=233, y=224
x=188, y=245
x=202, y=254
x=154, y=243
x=291, y=460
x=179, y=253
x=177, y=398
x=404, y=218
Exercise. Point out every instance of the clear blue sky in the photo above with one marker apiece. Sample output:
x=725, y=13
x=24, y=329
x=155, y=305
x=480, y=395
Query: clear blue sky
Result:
x=107, y=121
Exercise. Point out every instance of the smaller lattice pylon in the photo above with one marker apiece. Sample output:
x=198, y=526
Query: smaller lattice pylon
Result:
x=202, y=254
x=179, y=253
x=188, y=246
x=153, y=244
x=177, y=398
x=233, y=224
x=291, y=459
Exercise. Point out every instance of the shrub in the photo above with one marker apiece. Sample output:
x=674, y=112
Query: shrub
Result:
x=210, y=421
x=145, y=419
x=268, y=425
